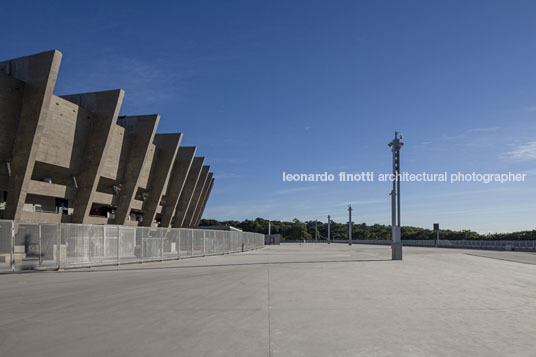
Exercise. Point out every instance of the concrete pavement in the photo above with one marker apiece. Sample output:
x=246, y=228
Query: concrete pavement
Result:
x=288, y=300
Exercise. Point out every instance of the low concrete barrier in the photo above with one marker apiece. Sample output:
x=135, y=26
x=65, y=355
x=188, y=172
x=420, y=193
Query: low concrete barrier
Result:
x=519, y=245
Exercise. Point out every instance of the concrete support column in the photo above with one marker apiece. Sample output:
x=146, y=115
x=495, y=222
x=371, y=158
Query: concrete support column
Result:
x=106, y=106
x=181, y=168
x=193, y=221
x=167, y=146
x=39, y=72
x=140, y=132
x=200, y=215
x=187, y=192
x=188, y=218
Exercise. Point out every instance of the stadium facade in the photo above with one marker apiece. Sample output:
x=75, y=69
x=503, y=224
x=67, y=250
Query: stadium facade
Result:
x=73, y=159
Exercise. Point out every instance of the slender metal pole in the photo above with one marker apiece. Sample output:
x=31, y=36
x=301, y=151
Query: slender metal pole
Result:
x=349, y=224
x=316, y=231
x=398, y=194
x=329, y=229
x=396, y=245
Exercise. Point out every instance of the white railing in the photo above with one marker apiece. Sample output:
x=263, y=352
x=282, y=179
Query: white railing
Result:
x=28, y=246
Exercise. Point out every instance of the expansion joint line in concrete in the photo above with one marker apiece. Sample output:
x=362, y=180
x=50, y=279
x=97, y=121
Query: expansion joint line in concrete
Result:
x=269, y=310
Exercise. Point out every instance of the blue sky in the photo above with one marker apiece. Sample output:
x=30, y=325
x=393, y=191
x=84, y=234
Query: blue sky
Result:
x=263, y=87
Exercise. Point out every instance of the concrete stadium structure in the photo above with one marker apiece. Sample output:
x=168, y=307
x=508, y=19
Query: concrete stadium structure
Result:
x=73, y=159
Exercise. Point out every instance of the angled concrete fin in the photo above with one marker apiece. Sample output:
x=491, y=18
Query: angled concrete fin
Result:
x=187, y=192
x=181, y=168
x=188, y=218
x=167, y=146
x=106, y=105
x=140, y=132
x=204, y=203
x=201, y=199
x=39, y=73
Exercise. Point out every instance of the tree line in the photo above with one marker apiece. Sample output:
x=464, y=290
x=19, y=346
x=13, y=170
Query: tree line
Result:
x=298, y=230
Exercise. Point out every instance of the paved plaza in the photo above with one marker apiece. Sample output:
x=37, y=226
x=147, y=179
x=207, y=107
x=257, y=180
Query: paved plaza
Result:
x=288, y=300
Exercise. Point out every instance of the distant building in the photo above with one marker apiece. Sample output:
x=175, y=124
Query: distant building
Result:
x=272, y=239
x=73, y=159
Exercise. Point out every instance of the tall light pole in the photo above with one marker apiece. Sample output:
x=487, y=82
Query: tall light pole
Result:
x=396, y=244
x=316, y=231
x=349, y=224
x=329, y=229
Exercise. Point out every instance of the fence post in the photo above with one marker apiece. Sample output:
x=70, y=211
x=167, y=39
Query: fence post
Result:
x=118, y=245
x=204, y=243
x=12, y=250
x=161, y=249
x=58, y=245
x=103, y=246
x=179, y=244
x=40, y=255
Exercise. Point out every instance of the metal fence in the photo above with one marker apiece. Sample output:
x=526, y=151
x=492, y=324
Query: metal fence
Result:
x=520, y=245
x=29, y=246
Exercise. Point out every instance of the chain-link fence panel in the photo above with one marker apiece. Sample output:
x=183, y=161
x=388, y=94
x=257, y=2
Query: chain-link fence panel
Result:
x=129, y=252
x=198, y=242
x=171, y=243
x=82, y=244
x=6, y=244
x=185, y=242
x=152, y=244
x=209, y=242
x=29, y=245
x=111, y=244
x=49, y=242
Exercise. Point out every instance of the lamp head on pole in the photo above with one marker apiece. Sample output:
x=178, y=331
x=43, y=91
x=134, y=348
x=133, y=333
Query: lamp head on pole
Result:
x=396, y=144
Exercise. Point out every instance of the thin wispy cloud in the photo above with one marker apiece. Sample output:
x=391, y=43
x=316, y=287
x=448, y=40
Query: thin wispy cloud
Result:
x=522, y=152
x=147, y=82
x=470, y=132
x=227, y=175
x=294, y=190
x=483, y=130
